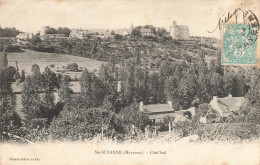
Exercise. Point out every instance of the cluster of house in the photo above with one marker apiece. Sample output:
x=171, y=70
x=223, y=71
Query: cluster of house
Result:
x=23, y=38
x=223, y=106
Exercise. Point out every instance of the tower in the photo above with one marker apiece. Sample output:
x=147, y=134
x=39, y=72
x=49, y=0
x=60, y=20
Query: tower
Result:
x=132, y=27
x=44, y=30
x=174, y=30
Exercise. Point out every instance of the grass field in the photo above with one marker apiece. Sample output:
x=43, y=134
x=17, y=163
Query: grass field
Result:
x=27, y=58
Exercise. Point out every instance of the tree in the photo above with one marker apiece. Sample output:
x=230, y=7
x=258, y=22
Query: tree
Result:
x=35, y=40
x=11, y=71
x=136, y=32
x=128, y=81
x=67, y=45
x=252, y=80
x=78, y=124
x=228, y=79
x=204, y=88
x=112, y=32
x=154, y=84
x=31, y=100
x=131, y=115
x=171, y=90
x=49, y=84
x=73, y=67
x=22, y=76
x=8, y=32
x=92, y=89
x=10, y=121
x=50, y=81
x=107, y=76
x=52, y=31
x=64, y=91
x=17, y=74
x=187, y=90
x=216, y=83
x=38, y=95
x=141, y=80
x=118, y=36
x=66, y=31
x=254, y=114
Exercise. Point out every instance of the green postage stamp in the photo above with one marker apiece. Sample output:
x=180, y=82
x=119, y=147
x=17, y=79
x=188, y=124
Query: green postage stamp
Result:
x=239, y=38
x=239, y=44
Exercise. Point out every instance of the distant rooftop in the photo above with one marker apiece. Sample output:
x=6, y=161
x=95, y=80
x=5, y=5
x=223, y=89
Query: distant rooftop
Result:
x=158, y=108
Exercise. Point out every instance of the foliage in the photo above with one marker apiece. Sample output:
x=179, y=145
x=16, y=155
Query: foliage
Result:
x=79, y=124
x=64, y=90
x=38, y=95
x=93, y=90
x=112, y=32
x=8, y=32
x=36, y=40
x=131, y=115
x=73, y=67
x=118, y=36
x=250, y=113
x=66, y=31
x=10, y=121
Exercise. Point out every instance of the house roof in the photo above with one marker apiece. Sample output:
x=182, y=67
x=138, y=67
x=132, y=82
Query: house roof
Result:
x=179, y=117
x=231, y=104
x=153, y=108
x=227, y=105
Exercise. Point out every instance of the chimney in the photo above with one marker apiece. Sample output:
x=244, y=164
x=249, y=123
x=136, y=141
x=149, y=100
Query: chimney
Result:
x=229, y=95
x=170, y=103
x=141, y=106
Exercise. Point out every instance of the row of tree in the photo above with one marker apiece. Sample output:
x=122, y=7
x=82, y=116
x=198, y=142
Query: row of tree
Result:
x=8, y=32
x=66, y=31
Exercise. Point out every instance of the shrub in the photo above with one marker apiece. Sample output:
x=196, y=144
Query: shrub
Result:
x=118, y=36
x=72, y=67
x=164, y=125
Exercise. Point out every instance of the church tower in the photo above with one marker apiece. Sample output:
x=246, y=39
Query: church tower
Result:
x=132, y=27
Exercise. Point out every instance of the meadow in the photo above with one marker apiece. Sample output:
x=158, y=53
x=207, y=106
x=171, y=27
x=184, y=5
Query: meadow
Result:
x=27, y=58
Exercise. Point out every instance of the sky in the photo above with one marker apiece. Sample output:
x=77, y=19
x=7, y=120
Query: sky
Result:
x=29, y=15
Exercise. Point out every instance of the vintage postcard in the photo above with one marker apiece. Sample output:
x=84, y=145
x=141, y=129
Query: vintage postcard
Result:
x=129, y=82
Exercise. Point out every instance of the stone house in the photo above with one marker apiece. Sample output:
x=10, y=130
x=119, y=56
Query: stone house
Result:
x=228, y=105
x=146, y=32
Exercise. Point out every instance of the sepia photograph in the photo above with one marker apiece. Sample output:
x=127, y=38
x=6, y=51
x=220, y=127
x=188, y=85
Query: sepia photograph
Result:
x=129, y=82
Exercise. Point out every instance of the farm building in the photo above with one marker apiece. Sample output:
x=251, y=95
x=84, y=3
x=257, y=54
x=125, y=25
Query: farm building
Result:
x=78, y=33
x=227, y=105
x=158, y=112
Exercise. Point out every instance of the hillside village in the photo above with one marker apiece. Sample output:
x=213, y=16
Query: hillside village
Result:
x=141, y=82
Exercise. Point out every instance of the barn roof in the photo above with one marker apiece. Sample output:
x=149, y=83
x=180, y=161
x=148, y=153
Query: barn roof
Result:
x=227, y=105
x=231, y=104
x=159, y=108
